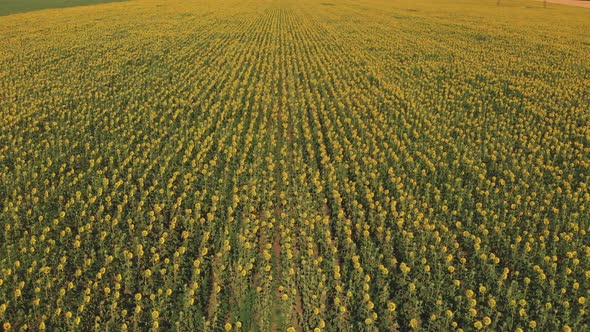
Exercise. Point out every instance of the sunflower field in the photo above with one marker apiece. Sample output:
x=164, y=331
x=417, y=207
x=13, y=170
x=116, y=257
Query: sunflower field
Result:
x=295, y=165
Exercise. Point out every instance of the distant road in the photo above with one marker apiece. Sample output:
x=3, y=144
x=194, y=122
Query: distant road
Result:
x=579, y=3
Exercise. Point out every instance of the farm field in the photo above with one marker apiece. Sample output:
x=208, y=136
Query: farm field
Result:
x=282, y=165
x=20, y=6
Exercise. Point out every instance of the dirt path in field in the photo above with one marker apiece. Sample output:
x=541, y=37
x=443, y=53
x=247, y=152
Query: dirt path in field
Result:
x=577, y=3
x=212, y=307
x=276, y=249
